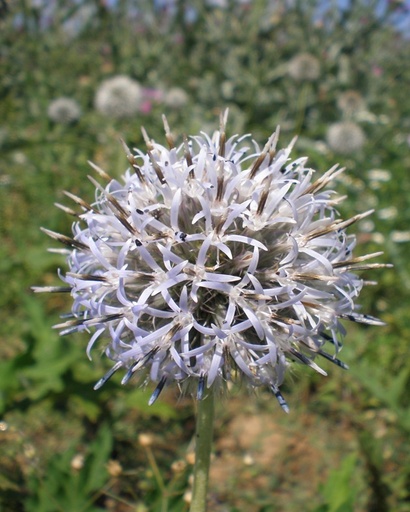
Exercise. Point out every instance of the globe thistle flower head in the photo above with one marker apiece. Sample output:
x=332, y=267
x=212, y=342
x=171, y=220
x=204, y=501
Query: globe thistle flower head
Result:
x=212, y=261
x=119, y=97
x=350, y=102
x=176, y=98
x=345, y=137
x=304, y=67
x=64, y=111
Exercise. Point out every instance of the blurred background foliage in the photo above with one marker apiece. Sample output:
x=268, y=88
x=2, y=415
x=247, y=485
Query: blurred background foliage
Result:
x=336, y=74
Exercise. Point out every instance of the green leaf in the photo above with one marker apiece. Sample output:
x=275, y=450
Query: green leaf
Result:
x=338, y=491
x=139, y=400
x=61, y=488
x=85, y=407
x=95, y=467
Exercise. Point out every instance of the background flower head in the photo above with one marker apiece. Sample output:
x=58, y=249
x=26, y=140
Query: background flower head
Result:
x=304, y=67
x=64, y=110
x=176, y=97
x=119, y=97
x=350, y=102
x=345, y=137
x=213, y=261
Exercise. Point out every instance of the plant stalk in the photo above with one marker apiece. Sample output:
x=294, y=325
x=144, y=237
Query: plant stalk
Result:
x=203, y=448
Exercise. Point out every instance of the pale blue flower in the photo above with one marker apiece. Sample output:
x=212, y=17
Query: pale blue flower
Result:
x=213, y=261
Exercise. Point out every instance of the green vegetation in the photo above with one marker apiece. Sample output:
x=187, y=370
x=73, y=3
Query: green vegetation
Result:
x=67, y=448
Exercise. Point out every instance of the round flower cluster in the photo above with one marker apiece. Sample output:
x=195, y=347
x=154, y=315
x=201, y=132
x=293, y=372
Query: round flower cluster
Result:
x=210, y=262
x=119, y=97
x=345, y=137
x=350, y=102
x=64, y=111
x=304, y=67
x=176, y=98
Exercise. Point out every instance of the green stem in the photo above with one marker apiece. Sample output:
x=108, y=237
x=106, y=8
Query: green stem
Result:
x=203, y=447
x=301, y=107
x=158, y=478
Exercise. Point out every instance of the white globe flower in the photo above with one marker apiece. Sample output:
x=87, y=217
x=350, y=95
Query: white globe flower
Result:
x=351, y=102
x=64, y=111
x=119, y=97
x=176, y=97
x=345, y=137
x=210, y=262
x=304, y=67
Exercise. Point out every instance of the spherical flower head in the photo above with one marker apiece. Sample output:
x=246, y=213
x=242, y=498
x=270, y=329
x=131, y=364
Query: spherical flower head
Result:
x=64, y=111
x=304, y=67
x=119, y=97
x=176, y=98
x=345, y=137
x=210, y=262
x=350, y=102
